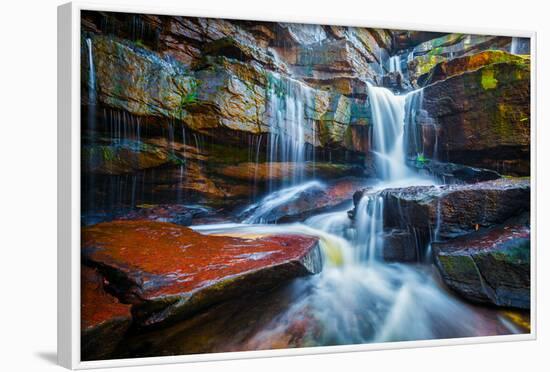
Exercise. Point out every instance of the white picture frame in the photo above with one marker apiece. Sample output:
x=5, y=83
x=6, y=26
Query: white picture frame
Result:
x=69, y=189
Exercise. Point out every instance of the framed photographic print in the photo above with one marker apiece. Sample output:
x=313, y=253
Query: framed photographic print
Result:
x=235, y=186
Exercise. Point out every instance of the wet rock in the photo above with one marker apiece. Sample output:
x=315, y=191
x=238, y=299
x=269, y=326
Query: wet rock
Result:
x=121, y=157
x=104, y=319
x=409, y=39
x=394, y=81
x=491, y=266
x=402, y=246
x=428, y=54
x=177, y=214
x=300, y=202
x=413, y=216
x=457, y=209
x=457, y=66
x=278, y=171
x=482, y=117
x=335, y=58
x=222, y=98
x=453, y=173
x=138, y=80
x=169, y=272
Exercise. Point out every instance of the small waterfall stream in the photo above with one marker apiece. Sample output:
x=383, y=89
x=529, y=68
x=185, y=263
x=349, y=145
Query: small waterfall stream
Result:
x=287, y=108
x=395, y=64
x=91, y=74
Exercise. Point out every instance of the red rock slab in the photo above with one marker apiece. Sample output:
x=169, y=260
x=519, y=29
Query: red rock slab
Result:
x=104, y=319
x=169, y=271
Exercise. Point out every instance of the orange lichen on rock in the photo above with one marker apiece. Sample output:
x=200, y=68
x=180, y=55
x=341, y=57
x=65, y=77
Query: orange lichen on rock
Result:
x=176, y=267
x=97, y=306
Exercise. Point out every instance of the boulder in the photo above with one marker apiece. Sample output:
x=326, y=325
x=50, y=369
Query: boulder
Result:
x=482, y=117
x=297, y=203
x=414, y=216
x=169, y=272
x=491, y=266
x=104, y=319
x=457, y=209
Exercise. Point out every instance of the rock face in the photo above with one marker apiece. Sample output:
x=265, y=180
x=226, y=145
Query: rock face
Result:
x=225, y=94
x=127, y=157
x=472, y=62
x=104, y=320
x=261, y=172
x=482, y=116
x=492, y=266
x=413, y=215
x=431, y=52
x=169, y=272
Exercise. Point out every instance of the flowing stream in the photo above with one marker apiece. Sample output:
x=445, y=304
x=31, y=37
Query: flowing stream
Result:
x=358, y=297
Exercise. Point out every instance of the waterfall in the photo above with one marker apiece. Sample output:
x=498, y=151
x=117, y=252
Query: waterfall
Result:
x=388, y=113
x=91, y=74
x=414, y=144
x=287, y=109
x=391, y=115
x=394, y=130
x=395, y=64
x=369, y=225
x=514, y=46
x=259, y=212
x=92, y=92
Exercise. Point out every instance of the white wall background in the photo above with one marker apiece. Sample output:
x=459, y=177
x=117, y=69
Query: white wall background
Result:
x=28, y=183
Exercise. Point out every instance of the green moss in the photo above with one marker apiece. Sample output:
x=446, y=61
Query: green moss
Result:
x=488, y=80
x=514, y=252
x=141, y=44
x=461, y=266
x=108, y=153
x=229, y=154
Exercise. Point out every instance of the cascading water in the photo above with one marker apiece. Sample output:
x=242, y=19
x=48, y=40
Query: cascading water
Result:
x=368, y=241
x=514, y=46
x=358, y=297
x=414, y=144
x=388, y=116
x=395, y=64
x=287, y=108
x=259, y=212
x=91, y=74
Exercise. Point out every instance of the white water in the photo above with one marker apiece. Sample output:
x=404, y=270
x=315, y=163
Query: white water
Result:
x=514, y=46
x=354, y=300
x=91, y=74
x=287, y=109
x=258, y=212
x=369, y=226
x=388, y=142
x=395, y=64
x=92, y=92
x=413, y=135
